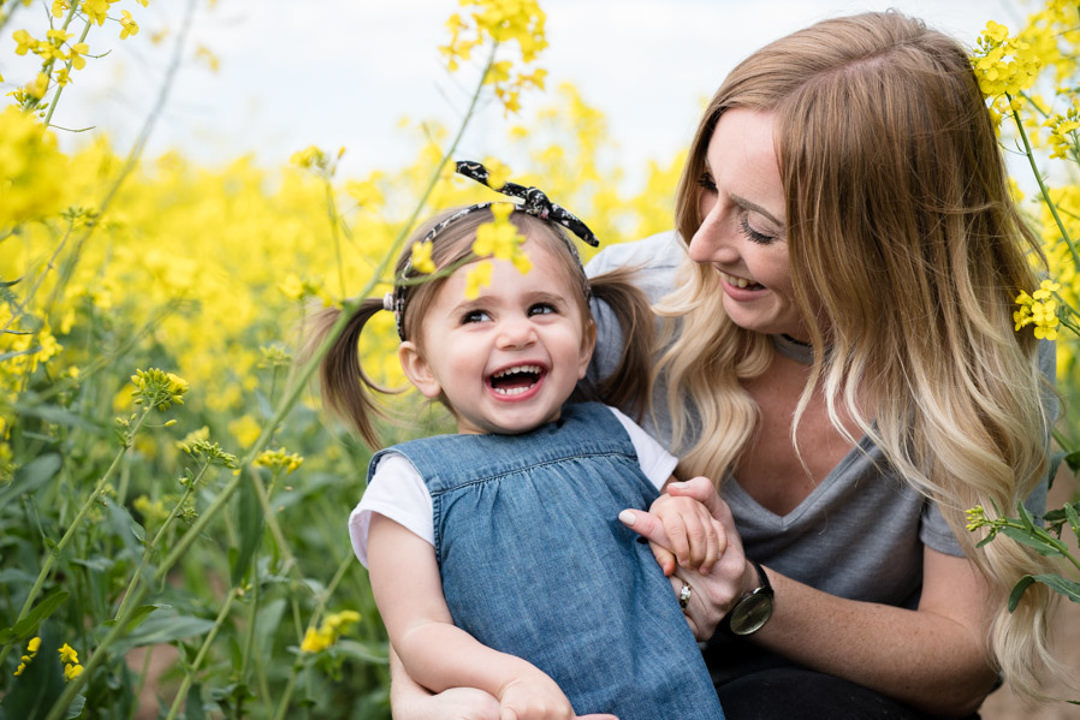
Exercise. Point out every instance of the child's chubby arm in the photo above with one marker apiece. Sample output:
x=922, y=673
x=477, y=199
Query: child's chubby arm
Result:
x=697, y=539
x=436, y=654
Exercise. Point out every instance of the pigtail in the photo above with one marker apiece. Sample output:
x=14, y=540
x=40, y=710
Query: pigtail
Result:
x=629, y=386
x=344, y=387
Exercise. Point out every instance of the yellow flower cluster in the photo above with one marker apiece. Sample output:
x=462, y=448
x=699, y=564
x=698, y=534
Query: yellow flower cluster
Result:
x=1062, y=137
x=279, y=460
x=32, y=648
x=335, y=624
x=498, y=239
x=32, y=170
x=1039, y=309
x=157, y=388
x=68, y=657
x=58, y=55
x=976, y=518
x=518, y=21
x=1005, y=67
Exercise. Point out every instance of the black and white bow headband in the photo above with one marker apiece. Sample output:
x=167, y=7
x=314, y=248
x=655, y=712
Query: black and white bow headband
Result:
x=534, y=202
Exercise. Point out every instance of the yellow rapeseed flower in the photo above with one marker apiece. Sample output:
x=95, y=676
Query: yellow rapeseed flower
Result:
x=128, y=25
x=420, y=257
x=245, y=429
x=157, y=388
x=479, y=276
x=1040, y=310
x=68, y=654
x=279, y=460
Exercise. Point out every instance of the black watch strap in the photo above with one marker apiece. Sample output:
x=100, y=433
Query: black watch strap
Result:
x=750, y=612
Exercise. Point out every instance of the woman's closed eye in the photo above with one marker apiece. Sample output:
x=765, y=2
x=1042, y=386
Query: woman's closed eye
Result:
x=752, y=234
x=706, y=182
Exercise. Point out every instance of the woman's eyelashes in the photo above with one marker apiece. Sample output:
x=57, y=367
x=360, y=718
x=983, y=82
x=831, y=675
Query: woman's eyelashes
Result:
x=706, y=182
x=752, y=234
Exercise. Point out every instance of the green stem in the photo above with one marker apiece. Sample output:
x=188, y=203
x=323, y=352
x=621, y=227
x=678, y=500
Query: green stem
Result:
x=316, y=616
x=289, y=563
x=73, y=526
x=140, y=572
x=1030, y=154
x=60, y=87
x=335, y=229
x=185, y=686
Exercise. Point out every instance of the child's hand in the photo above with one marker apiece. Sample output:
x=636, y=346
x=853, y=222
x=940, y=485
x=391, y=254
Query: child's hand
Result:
x=532, y=695
x=697, y=538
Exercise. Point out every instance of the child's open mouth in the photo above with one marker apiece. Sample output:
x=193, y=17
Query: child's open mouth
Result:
x=516, y=380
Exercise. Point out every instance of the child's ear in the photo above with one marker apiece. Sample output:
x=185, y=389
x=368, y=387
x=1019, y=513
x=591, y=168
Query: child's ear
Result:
x=417, y=370
x=588, y=344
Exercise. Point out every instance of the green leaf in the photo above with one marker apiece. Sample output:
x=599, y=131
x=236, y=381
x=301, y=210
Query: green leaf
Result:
x=366, y=652
x=1068, y=588
x=267, y=621
x=58, y=416
x=1073, y=460
x=1025, y=517
x=1058, y=584
x=1018, y=591
x=1074, y=518
x=164, y=627
x=31, y=476
x=251, y=523
x=1042, y=545
x=194, y=704
x=28, y=626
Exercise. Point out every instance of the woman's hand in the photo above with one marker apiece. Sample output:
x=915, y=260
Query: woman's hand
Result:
x=711, y=595
x=697, y=540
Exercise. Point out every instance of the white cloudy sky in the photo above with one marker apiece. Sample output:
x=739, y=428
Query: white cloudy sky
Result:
x=342, y=73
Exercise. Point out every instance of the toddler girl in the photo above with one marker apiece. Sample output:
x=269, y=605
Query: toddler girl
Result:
x=495, y=555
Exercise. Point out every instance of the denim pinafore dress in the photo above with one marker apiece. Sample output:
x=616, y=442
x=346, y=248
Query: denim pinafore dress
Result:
x=535, y=562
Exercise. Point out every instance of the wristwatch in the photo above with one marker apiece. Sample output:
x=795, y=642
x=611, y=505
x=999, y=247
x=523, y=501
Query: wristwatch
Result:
x=750, y=612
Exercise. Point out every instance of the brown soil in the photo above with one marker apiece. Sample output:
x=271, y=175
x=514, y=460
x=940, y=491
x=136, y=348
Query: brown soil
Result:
x=1007, y=705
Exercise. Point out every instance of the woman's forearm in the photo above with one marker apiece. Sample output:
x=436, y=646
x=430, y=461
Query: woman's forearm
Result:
x=937, y=662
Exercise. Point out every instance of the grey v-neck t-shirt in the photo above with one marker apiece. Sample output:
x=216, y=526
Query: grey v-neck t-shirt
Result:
x=860, y=533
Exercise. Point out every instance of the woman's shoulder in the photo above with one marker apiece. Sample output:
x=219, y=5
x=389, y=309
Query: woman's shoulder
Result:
x=655, y=258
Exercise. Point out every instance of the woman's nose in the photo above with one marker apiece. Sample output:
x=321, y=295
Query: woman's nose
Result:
x=714, y=240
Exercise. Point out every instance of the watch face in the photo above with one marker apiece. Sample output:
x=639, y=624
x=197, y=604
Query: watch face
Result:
x=749, y=615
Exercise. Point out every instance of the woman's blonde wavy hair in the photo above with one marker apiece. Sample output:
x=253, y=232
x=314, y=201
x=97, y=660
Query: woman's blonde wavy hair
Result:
x=906, y=254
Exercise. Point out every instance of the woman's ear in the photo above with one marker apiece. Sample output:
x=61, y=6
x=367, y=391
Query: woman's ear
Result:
x=418, y=371
x=588, y=344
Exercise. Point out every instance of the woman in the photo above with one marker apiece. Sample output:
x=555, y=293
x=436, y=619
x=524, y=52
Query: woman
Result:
x=844, y=361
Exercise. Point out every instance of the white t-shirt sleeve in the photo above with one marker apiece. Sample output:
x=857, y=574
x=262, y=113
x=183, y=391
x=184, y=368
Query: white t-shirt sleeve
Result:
x=396, y=491
x=655, y=461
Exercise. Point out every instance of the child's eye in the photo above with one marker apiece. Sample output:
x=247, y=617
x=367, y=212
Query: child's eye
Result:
x=475, y=316
x=707, y=182
x=542, y=308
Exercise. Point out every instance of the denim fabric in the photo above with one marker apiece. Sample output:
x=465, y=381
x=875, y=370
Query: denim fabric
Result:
x=534, y=562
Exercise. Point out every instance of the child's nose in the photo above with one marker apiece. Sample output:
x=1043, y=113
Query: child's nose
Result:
x=516, y=332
